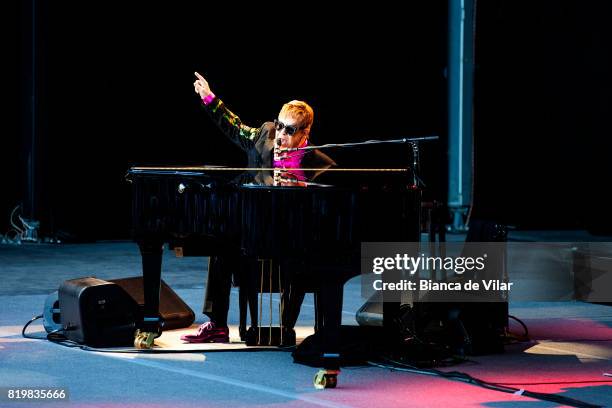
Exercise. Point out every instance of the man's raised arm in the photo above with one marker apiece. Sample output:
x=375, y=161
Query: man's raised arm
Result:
x=226, y=120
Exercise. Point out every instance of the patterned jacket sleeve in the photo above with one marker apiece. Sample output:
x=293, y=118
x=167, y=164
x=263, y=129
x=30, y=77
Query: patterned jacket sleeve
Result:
x=242, y=135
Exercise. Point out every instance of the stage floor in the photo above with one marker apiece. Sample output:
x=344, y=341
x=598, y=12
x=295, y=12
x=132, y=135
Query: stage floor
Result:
x=569, y=352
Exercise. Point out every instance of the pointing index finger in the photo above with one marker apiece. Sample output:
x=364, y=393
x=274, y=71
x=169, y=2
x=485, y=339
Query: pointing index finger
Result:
x=198, y=75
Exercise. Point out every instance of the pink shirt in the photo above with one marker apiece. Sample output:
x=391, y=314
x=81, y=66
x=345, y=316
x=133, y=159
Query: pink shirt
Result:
x=293, y=161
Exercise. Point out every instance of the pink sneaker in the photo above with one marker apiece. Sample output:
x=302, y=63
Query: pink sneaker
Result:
x=208, y=333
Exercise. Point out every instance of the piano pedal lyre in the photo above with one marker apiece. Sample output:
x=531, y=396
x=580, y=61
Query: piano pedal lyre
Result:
x=144, y=340
x=271, y=335
x=326, y=378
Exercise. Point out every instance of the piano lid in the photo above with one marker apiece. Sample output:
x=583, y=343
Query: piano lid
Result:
x=207, y=168
x=249, y=177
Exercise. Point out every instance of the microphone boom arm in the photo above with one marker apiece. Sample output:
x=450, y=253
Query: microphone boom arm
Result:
x=367, y=142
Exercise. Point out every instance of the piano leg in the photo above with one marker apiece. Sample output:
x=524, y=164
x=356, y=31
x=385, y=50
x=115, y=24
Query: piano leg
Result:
x=151, y=325
x=329, y=305
x=243, y=301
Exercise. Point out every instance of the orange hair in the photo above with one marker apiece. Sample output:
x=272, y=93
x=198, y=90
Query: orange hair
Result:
x=300, y=111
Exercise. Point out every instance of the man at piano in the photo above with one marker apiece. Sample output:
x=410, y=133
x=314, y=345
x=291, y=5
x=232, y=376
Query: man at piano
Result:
x=265, y=147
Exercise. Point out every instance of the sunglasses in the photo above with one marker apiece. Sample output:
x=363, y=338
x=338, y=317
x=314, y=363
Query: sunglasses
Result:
x=290, y=130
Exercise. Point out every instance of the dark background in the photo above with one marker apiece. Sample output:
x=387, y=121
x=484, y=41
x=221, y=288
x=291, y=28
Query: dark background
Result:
x=543, y=105
x=114, y=89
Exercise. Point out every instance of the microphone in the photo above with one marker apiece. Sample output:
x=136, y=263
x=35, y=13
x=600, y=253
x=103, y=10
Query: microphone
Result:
x=277, y=150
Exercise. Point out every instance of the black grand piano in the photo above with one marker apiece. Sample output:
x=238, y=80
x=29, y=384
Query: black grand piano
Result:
x=262, y=213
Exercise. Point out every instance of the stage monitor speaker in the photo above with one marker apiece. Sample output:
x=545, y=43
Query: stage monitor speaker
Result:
x=51, y=314
x=175, y=313
x=472, y=328
x=97, y=313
